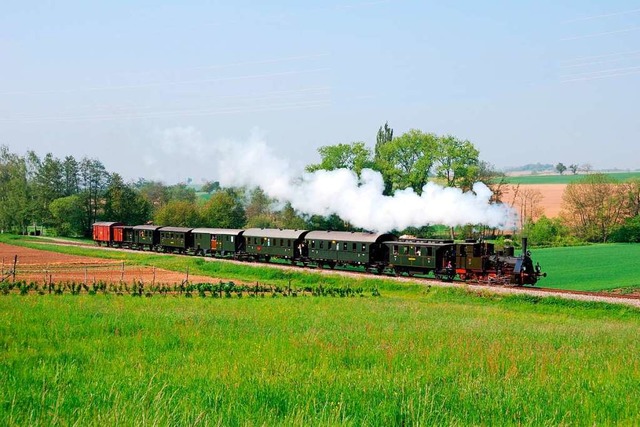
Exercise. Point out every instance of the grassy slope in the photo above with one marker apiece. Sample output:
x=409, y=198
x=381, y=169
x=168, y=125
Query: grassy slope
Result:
x=564, y=179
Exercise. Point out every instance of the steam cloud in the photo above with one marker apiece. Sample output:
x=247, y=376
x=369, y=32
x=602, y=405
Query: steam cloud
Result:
x=358, y=201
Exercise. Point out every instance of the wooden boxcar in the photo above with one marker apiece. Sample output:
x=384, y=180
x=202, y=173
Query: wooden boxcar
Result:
x=217, y=241
x=146, y=237
x=103, y=232
x=333, y=248
x=264, y=243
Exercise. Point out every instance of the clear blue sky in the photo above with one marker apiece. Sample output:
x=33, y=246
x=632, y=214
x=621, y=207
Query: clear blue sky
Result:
x=139, y=83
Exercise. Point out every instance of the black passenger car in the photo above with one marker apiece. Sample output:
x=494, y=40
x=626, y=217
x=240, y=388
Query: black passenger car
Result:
x=175, y=239
x=265, y=243
x=331, y=248
x=217, y=241
x=146, y=237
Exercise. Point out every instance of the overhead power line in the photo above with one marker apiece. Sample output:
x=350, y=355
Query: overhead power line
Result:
x=605, y=15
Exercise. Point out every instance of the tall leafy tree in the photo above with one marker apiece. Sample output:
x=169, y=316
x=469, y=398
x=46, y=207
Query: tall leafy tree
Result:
x=67, y=215
x=14, y=191
x=47, y=185
x=155, y=192
x=457, y=162
x=124, y=204
x=289, y=218
x=258, y=211
x=355, y=156
x=182, y=192
x=224, y=210
x=408, y=159
x=94, y=179
x=178, y=213
x=385, y=135
x=71, y=174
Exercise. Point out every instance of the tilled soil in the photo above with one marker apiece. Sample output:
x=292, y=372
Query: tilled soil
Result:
x=38, y=265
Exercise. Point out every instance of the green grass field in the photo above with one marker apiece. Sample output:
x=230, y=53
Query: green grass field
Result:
x=566, y=178
x=590, y=268
x=416, y=355
x=428, y=357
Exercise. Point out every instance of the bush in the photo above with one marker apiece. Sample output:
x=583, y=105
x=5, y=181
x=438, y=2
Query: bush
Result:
x=629, y=232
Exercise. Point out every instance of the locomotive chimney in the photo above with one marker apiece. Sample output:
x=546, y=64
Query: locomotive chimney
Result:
x=524, y=246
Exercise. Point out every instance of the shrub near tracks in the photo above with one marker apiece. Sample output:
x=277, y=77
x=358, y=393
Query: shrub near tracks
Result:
x=424, y=357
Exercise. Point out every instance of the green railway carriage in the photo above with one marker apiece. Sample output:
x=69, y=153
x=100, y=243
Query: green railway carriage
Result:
x=146, y=237
x=217, y=241
x=420, y=257
x=333, y=248
x=265, y=243
x=175, y=239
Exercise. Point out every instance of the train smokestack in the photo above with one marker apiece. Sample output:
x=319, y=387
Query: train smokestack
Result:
x=524, y=246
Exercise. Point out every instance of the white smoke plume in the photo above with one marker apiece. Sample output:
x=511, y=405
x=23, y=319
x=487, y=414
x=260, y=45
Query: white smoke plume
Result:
x=358, y=201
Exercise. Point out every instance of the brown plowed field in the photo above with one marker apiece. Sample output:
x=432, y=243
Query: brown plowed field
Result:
x=37, y=265
x=551, y=202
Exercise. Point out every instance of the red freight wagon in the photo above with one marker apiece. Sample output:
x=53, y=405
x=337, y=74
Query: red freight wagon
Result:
x=103, y=232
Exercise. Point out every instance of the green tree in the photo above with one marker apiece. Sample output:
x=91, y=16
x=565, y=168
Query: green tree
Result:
x=546, y=231
x=93, y=181
x=71, y=176
x=178, y=213
x=210, y=187
x=289, y=218
x=561, y=168
x=182, y=192
x=258, y=211
x=224, y=210
x=355, y=156
x=457, y=162
x=408, y=159
x=14, y=191
x=155, y=192
x=47, y=185
x=385, y=135
x=573, y=168
x=68, y=216
x=124, y=204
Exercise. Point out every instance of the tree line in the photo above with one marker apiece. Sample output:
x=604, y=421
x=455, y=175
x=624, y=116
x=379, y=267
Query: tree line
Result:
x=68, y=195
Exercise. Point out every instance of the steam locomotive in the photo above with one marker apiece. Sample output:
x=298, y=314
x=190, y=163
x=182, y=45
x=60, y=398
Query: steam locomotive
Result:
x=379, y=253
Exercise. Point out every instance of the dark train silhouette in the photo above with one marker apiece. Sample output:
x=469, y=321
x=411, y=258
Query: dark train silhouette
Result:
x=471, y=261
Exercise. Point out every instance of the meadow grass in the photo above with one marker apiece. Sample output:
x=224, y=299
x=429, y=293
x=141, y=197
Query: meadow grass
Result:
x=431, y=357
x=590, y=268
x=566, y=178
x=417, y=355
